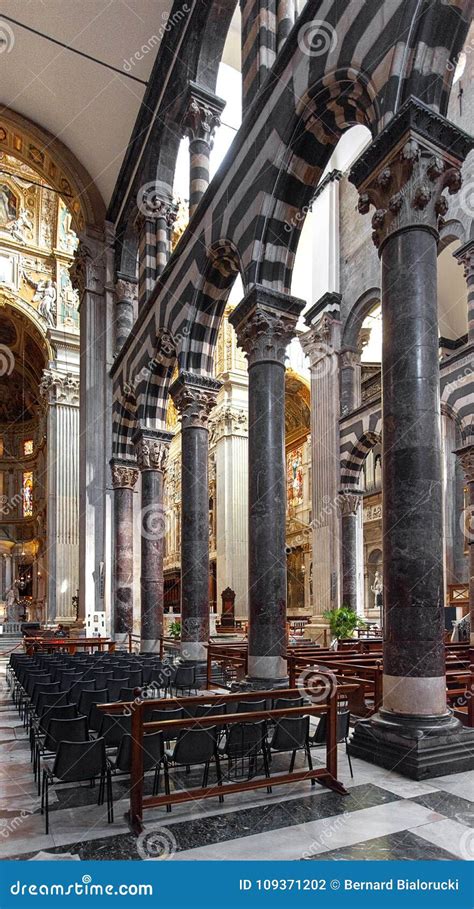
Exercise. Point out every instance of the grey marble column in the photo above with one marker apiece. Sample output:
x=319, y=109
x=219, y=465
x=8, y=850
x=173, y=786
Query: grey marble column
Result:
x=466, y=459
x=152, y=452
x=465, y=257
x=200, y=123
x=350, y=370
x=404, y=174
x=126, y=296
x=321, y=345
x=194, y=396
x=124, y=478
x=265, y=322
x=349, y=505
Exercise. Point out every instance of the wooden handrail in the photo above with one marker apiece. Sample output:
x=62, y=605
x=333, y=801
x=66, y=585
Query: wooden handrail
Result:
x=326, y=776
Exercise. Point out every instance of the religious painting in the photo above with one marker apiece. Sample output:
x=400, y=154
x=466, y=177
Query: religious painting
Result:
x=8, y=205
x=294, y=474
x=27, y=494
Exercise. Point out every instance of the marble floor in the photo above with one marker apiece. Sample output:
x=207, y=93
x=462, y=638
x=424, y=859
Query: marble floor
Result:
x=384, y=816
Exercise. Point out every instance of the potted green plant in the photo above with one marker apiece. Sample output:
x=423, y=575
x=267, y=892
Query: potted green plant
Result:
x=175, y=630
x=342, y=622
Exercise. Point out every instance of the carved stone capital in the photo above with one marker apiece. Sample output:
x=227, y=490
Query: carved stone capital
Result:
x=349, y=502
x=194, y=397
x=124, y=476
x=322, y=340
x=227, y=420
x=265, y=323
x=466, y=460
x=363, y=339
x=60, y=388
x=152, y=449
x=404, y=172
x=88, y=269
x=126, y=291
x=465, y=257
x=349, y=359
x=203, y=115
x=154, y=206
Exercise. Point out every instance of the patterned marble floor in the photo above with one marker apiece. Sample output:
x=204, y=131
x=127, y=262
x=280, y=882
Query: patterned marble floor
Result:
x=385, y=816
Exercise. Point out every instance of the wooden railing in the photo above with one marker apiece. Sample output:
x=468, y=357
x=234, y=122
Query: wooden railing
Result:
x=68, y=645
x=326, y=776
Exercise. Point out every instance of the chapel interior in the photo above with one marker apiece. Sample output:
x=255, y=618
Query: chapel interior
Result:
x=236, y=428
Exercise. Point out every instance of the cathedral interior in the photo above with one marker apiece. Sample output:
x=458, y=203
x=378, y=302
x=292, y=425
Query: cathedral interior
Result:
x=236, y=408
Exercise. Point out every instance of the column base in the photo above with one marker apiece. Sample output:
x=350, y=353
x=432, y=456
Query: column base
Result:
x=121, y=640
x=151, y=645
x=419, y=747
x=252, y=683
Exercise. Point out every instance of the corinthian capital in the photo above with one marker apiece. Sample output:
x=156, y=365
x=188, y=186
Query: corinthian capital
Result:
x=124, y=475
x=194, y=397
x=126, y=291
x=202, y=116
x=88, y=268
x=465, y=257
x=349, y=501
x=265, y=323
x=404, y=172
x=152, y=448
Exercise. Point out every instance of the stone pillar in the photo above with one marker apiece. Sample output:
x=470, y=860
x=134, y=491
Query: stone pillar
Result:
x=194, y=396
x=62, y=394
x=285, y=20
x=349, y=504
x=152, y=452
x=465, y=257
x=146, y=227
x=258, y=46
x=265, y=322
x=91, y=280
x=126, y=296
x=166, y=214
x=200, y=123
x=403, y=174
x=124, y=478
x=350, y=370
x=466, y=459
x=321, y=345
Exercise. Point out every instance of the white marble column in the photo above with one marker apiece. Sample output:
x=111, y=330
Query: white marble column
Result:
x=61, y=391
x=321, y=345
x=229, y=433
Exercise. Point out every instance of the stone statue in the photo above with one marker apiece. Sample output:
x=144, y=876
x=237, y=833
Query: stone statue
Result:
x=11, y=600
x=21, y=224
x=45, y=296
x=377, y=589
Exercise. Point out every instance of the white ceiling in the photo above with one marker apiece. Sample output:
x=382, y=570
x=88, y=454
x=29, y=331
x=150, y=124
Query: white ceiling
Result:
x=90, y=108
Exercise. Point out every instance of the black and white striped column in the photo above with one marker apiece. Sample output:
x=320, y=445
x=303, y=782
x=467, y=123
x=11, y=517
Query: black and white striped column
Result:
x=124, y=478
x=126, y=297
x=200, y=123
x=259, y=44
x=147, y=248
x=286, y=13
x=465, y=257
x=265, y=322
x=194, y=397
x=152, y=452
x=165, y=217
x=404, y=176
